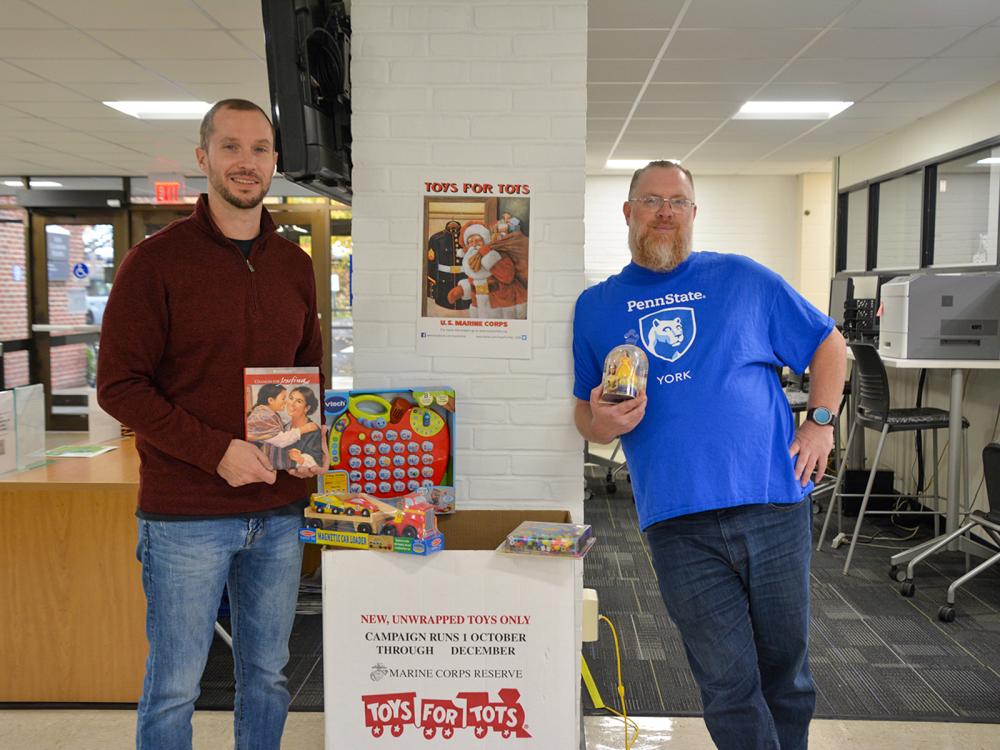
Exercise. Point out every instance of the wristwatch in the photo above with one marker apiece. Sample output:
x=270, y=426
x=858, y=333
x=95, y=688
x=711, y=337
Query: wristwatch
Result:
x=821, y=416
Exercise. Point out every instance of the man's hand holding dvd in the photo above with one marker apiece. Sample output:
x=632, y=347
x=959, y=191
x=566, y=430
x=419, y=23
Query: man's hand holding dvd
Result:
x=244, y=463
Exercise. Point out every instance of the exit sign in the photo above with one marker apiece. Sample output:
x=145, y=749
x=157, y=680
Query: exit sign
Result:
x=168, y=192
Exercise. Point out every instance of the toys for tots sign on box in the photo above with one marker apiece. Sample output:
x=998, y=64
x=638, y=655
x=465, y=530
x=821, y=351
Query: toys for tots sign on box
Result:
x=476, y=647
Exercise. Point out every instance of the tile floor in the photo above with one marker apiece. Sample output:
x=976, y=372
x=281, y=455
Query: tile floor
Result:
x=44, y=729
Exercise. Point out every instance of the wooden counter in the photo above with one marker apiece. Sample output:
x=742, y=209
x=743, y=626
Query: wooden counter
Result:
x=72, y=627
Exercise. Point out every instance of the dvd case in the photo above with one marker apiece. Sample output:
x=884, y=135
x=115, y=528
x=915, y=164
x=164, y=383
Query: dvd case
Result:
x=283, y=414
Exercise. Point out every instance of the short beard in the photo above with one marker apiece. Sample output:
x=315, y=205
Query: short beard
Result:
x=252, y=202
x=659, y=253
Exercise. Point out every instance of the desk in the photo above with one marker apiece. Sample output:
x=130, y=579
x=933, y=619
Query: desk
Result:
x=958, y=368
x=73, y=624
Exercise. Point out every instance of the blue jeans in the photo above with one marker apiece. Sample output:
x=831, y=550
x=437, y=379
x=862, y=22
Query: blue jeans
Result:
x=736, y=583
x=185, y=565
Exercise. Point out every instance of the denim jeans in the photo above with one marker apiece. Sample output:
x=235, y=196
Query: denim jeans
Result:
x=736, y=583
x=185, y=565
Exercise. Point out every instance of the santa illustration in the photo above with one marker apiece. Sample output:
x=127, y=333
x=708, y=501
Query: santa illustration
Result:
x=495, y=280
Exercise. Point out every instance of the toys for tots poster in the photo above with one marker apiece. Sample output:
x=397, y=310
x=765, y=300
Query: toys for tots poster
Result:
x=475, y=269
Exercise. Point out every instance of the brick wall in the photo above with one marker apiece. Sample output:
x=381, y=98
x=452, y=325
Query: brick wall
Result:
x=474, y=91
x=13, y=293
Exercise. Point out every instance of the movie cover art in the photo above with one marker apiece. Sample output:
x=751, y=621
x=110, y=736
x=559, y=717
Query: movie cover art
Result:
x=283, y=413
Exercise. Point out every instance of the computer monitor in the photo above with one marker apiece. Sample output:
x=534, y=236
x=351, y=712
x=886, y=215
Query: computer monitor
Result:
x=841, y=290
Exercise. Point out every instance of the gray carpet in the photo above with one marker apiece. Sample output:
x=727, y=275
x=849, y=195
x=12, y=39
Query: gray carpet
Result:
x=875, y=654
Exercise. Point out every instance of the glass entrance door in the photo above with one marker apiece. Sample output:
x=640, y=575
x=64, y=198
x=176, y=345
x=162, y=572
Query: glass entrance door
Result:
x=74, y=257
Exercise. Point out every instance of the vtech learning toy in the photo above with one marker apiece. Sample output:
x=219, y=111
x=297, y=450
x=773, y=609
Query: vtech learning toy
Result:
x=388, y=443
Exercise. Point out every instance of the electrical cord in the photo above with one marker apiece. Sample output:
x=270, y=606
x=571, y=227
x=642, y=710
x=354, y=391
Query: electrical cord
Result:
x=623, y=714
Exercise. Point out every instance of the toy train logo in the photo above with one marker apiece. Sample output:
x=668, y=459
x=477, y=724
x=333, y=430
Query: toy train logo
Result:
x=475, y=711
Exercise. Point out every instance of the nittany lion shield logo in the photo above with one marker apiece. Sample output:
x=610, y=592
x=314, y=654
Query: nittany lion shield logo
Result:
x=669, y=332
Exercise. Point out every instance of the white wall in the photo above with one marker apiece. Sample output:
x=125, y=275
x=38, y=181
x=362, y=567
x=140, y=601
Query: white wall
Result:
x=969, y=121
x=474, y=91
x=760, y=217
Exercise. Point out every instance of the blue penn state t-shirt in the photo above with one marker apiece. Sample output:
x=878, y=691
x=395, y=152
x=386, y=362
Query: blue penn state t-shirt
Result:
x=717, y=426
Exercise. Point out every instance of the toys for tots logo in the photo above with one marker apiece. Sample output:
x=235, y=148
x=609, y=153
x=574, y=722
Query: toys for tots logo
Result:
x=475, y=711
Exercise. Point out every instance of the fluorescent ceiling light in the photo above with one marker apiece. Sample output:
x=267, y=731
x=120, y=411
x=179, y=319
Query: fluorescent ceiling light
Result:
x=790, y=110
x=987, y=160
x=34, y=183
x=632, y=164
x=190, y=110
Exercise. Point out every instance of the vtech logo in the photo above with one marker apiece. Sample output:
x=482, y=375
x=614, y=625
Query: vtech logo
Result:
x=334, y=404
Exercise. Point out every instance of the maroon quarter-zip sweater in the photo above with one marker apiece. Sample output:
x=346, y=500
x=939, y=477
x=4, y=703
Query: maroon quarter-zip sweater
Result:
x=185, y=315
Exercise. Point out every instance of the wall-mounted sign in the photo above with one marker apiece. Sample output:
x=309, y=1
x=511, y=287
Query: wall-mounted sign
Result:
x=57, y=252
x=80, y=270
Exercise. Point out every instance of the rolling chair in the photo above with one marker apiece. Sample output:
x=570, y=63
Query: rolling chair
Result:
x=873, y=413
x=988, y=521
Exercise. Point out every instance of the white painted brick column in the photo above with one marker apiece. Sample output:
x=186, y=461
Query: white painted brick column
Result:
x=489, y=91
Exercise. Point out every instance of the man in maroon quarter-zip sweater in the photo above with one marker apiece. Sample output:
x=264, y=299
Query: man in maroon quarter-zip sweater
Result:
x=191, y=307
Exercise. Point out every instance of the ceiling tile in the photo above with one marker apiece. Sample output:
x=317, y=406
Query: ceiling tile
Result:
x=651, y=150
x=908, y=110
x=766, y=14
x=686, y=109
x=845, y=70
x=892, y=14
x=256, y=92
x=13, y=92
x=150, y=91
x=134, y=14
x=115, y=70
x=208, y=71
x=632, y=14
x=18, y=14
x=233, y=14
x=817, y=92
x=604, y=125
x=738, y=43
x=641, y=44
x=19, y=123
x=121, y=126
x=680, y=125
x=731, y=151
x=67, y=110
x=982, y=43
x=884, y=43
x=699, y=92
x=10, y=72
x=717, y=70
x=761, y=131
x=618, y=71
x=252, y=40
x=926, y=91
x=612, y=92
x=608, y=109
x=50, y=43
x=955, y=69
x=814, y=150
x=172, y=44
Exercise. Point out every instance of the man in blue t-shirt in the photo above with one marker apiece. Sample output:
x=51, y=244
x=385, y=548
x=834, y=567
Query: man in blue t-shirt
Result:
x=721, y=474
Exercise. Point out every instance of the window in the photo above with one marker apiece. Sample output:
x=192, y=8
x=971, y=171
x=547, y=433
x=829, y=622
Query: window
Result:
x=857, y=230
x=899, y=211
x=965, y=217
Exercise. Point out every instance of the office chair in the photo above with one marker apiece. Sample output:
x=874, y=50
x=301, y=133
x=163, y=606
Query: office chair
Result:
x=873, y=413
x=988, y=521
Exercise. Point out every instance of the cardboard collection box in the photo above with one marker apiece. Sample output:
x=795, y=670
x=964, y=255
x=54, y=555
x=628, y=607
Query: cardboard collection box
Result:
x=470, y=644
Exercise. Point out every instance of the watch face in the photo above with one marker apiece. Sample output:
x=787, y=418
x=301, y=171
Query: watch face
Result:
x=821, y=415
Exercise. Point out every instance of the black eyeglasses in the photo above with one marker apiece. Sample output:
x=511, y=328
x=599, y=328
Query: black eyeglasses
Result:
x=655, y=203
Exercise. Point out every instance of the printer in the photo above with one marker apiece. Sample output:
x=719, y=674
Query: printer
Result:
x=941, y=316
